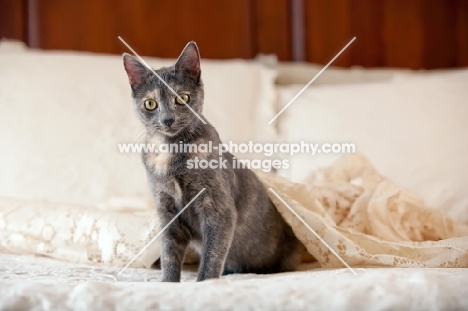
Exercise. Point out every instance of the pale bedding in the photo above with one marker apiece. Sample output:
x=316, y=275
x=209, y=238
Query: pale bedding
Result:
x=413, y=129
x=369, y=220
x=75, y=108
x=366, y=218
x=78, y=234
x=33, y=283
x=375, y=222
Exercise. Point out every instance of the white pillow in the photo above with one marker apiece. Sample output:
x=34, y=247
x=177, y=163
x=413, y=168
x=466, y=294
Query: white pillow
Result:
x=414, y=130
x=62, y=116
x=302, y=73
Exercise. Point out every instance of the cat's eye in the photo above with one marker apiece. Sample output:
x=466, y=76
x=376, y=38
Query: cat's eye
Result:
x=150, y=104
x=184, y=97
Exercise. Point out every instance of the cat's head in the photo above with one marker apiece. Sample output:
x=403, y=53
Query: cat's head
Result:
x=160, y=110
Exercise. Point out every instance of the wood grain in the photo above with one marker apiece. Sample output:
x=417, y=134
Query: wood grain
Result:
x=13, y=19
x=159, y=28
x=327, y=31
x=366, y=26
x=403, y=34
x=440, y=34
x=390, y=33
x=273, y=27
x=462, y=33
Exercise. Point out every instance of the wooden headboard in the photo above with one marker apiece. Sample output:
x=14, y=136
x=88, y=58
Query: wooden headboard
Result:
x=390, y=33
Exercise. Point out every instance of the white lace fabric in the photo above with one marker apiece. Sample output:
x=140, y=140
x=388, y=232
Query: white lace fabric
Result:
x=77, y=234
x=369, y=220
x=365, y=218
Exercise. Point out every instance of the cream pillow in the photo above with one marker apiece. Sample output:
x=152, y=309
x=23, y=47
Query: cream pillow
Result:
x=63, y=114
x=301, y=73
x=414, y=130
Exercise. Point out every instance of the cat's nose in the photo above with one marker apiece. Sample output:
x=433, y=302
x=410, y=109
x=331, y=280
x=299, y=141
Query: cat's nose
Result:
x=168, y=121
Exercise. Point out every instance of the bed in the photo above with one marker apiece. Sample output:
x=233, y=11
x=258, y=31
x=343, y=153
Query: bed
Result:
x=65, y=237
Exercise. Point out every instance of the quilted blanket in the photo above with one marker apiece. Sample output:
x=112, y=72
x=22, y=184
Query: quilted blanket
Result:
x=345, y=214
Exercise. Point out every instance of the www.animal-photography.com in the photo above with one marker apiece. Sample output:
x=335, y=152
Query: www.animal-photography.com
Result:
x=233, y=155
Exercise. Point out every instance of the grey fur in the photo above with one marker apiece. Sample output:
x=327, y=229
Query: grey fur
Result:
x=233, y=225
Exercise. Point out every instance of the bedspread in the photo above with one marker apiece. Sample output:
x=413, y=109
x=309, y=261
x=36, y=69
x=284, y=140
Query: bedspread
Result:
x=33, y=283
x=365, y=218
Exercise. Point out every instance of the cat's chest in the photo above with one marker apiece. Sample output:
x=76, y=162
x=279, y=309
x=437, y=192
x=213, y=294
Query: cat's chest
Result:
x=165, y=169
x=170, y=173
x=158, y=161
x=171, y=160
x=159, y=164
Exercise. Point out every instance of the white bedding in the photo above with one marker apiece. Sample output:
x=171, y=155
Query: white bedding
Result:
x=62, y=138
x=413, y=129
x=34, y=283
x=376, y=223
x=63, y=114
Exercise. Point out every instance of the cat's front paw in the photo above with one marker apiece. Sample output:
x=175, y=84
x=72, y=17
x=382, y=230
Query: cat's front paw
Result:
x=174, y=280
x=170, y=277
x=207, y=276
x=199, y=279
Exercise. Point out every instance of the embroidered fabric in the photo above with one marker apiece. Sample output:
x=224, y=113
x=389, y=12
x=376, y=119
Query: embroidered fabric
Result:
x=77, y=234
x=365, y=218
x=368, y=220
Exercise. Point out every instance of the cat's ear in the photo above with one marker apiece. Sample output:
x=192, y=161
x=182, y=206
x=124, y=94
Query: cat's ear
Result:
x=136, y=71
x=189, y=59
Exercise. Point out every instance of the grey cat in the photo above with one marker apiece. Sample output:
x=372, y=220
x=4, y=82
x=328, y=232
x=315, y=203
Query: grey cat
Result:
x=232, y=225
